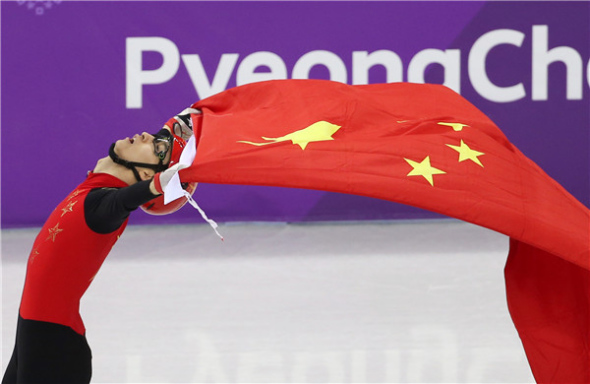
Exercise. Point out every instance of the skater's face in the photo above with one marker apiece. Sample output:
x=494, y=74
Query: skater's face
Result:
x=143, y=148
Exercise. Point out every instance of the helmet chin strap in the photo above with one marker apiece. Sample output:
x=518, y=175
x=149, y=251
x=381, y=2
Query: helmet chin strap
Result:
x=132, y=164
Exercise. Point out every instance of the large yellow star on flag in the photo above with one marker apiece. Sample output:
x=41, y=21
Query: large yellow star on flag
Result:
x=466, y=153
x=318, y=131
x=424, y=169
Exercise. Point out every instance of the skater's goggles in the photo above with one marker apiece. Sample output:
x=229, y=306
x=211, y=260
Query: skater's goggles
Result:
x=162, y=144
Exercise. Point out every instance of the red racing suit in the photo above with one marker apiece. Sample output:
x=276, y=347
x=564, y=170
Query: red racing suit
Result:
x=65, y=257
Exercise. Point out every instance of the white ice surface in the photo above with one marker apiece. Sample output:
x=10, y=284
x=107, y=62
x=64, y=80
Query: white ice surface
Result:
x=355, y=302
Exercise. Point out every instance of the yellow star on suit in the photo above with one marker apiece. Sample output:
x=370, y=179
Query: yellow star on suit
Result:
x=53, y=232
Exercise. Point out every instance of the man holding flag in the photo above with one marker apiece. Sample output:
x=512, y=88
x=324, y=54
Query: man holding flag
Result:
x=51, y=345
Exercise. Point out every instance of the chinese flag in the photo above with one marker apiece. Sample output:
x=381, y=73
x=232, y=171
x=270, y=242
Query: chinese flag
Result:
x=426, y=146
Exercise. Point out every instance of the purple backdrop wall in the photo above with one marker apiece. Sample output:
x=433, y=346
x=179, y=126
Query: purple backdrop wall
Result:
x=66, y=94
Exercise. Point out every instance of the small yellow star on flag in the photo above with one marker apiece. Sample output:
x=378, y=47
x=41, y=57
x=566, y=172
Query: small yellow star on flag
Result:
x=424, y=169
x=68, y=208
x=456, y=126
x=53, y=232
x=466, y=153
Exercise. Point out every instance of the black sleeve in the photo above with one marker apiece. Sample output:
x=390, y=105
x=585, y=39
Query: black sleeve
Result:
x=105, y=209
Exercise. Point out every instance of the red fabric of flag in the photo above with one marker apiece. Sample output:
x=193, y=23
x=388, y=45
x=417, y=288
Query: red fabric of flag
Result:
x=426, y=146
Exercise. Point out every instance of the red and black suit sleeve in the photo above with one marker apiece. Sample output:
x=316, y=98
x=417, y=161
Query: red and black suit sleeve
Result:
x=106, y=209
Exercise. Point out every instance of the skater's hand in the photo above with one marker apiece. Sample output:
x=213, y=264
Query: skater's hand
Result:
x=183, y=126
x=161, y=179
